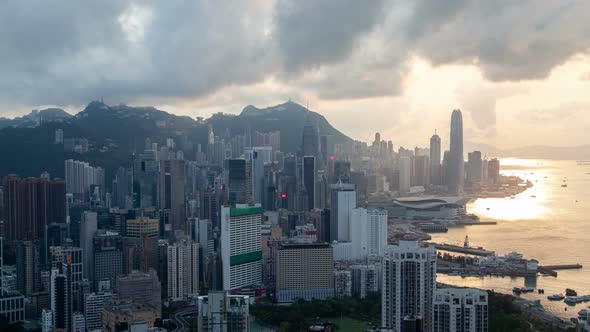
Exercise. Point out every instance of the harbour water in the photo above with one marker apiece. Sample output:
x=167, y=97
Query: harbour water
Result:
x=546, y=222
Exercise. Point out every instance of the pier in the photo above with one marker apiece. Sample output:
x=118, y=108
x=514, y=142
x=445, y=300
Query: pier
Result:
x=475, y=223
x=463, y=250
x=552, y=269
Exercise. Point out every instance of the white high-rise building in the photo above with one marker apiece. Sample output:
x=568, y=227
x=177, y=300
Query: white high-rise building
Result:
x=80, y=176
x=368, y=232
x=460, y=309
x=241, y=247
x=183, y=270
x=405, y=174
x=46, y=320
x=409, y=281
x=342, y=203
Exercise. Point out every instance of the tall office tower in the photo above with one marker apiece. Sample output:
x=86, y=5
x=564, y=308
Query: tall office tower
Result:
x=93, y=305
x=241, y=251
x=28, y=262
x=421, y=171
x=341, y=172
x=460, y=309
x=238, y=181
x=172, y=196
x=220, y=312
x=309, y=180
x=145, y=180
x=145, y=233
x=61, y=305
x=108, y=257
x=343, y=201
x=209, y=207
x=474, y=168
x=256, y=159
x=409, y=281
x=183, y=270
x=68, y=261
x=493, y=170
x=121, y=187
x=311, y=139
x=405, y=174
x=435, y=155
x=142, y=288
x=80, y=176
x=30, y=204
x=445, y=168
x=365, y=280
x=456, y=162
x=46, y=320
x=304, y=271
x=78, y=322
x=342, y=284
x=88, y=227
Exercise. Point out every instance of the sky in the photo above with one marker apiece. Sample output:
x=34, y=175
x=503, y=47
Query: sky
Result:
x=518, y=70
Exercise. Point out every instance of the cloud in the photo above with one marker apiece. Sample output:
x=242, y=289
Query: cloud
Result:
x=67, y=53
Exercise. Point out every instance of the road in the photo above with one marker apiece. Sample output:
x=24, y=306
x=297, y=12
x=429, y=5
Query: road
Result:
x=179, y=318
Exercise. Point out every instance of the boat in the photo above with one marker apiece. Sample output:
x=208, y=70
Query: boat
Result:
x=570, y=292
x=583, y=313
x=564, y=185
x=516, y=290
x=533, y=196
x=556, y=297
x=527, y=289
x=573, y=300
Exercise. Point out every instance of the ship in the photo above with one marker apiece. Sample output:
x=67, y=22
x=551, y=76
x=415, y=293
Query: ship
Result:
x=556, y=297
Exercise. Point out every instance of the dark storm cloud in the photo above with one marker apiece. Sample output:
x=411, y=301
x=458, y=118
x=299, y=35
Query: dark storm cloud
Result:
x=314, y=33
x=69, y=52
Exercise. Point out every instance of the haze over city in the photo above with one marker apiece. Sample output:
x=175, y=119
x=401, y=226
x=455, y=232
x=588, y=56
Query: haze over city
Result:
x=514, y=68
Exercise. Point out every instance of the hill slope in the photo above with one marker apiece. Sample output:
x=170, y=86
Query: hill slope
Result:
x=115, y=132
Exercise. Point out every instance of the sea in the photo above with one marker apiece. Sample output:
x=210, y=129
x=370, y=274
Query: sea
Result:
x=547, y=222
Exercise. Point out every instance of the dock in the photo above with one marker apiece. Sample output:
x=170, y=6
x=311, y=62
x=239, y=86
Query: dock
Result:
x=475, y=223
x=463, y=250
x=552, y=269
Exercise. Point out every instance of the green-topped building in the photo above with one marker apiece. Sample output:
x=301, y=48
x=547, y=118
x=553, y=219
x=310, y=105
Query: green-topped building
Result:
x=241, y=251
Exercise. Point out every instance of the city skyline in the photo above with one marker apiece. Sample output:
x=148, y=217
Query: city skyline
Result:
x=531, y=77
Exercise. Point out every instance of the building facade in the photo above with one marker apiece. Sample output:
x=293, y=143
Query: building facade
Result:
x=241, y=247
x=409, y=281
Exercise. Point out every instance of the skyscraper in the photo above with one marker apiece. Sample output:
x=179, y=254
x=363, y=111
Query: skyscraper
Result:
x=145, y=180
x=238, y=181
x=108, y=257
x=309, y=180
x=88, y=227
x=241, y=248
x=171, y=190
x=474, y=168
x=435, y=160
x=311, y=139
x=456, y=162
x=183, y=270
x=409, y=281
x=343, y=201
x=405, y=174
